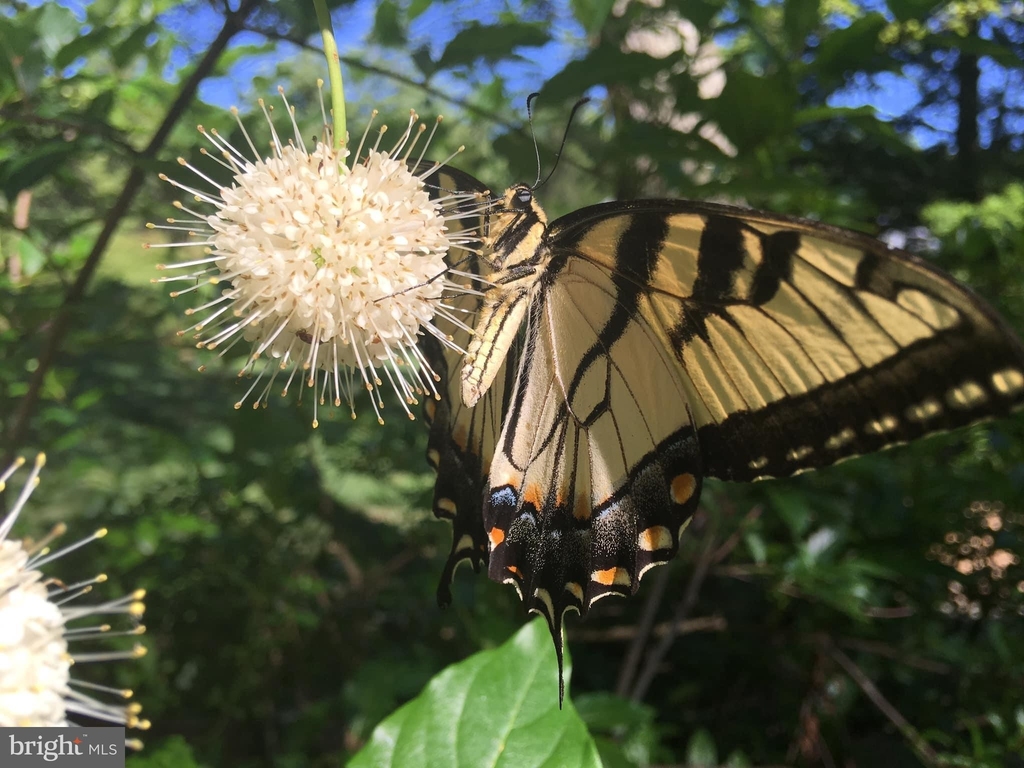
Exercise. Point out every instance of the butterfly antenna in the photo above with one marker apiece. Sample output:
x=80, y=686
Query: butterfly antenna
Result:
x=533, y=133
x=561, y=146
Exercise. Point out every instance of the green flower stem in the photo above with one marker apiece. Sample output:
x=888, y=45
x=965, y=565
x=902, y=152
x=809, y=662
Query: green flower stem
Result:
x=323, y=17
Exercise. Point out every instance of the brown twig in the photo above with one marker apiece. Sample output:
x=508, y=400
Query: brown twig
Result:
x=734, y=538
x=745, y=571
x=893, y=612
x=627, y=672
x=910, y=733
x=808, y=743
x=18, y=424
x=683, y=608
x=888, y=651
x=622, y=632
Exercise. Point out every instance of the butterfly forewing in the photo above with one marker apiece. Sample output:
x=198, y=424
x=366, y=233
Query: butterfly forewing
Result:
x=801, y=344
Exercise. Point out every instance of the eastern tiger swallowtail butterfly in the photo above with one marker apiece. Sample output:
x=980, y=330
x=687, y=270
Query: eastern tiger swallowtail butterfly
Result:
x=626, y=351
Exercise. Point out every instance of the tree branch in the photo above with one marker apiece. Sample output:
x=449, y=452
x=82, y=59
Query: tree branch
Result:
x=910, y=733
x=682, y=611
x=627, y=672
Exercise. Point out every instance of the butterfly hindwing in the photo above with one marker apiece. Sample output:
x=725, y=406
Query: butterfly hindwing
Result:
x=462, y=440
x=571, y=515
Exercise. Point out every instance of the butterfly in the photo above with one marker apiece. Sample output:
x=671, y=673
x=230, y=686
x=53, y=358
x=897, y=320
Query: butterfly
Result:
x=622, y=353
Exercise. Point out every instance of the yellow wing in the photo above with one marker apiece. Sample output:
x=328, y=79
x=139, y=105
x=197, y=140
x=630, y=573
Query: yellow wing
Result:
x=667, y=341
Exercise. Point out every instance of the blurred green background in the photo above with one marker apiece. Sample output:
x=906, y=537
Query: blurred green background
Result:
x=864, y=615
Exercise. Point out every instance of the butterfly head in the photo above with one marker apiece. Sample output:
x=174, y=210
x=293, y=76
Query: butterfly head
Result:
x=519, y=197
x=514, y=216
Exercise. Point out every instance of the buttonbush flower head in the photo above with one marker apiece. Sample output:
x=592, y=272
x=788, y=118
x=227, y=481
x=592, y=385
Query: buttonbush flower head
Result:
x=329, y=271
x=46, y=631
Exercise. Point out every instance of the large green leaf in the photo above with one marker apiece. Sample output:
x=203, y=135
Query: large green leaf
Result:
x=754, y=110
x=592, y=13
x=491, y=42
x=388, y=26
x=605, y=65
x=907, y=10
x=799, y=18
x=498, y=708
x=857, y=47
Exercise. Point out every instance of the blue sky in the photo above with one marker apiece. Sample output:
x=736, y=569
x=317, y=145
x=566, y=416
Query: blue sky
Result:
x=892, y=94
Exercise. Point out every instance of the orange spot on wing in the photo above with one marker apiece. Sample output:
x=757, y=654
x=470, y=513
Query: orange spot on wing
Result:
x=611, y=576
x=532, y=495
x=496, y=536
x=512, y=569
x=654, y=538
x=683, y=487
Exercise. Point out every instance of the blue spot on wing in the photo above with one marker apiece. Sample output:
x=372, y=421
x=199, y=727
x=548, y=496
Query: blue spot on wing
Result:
x=503, y=497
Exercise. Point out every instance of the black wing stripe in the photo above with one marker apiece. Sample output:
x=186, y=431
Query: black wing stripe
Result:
x=636, y=256
x=719, y=257
x=779, y=251
x=736, y=448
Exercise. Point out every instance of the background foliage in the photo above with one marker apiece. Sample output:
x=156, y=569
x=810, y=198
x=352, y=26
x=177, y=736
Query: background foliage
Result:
x=868, y=614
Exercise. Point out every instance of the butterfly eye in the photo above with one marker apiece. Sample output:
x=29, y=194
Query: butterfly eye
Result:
x=523, y=198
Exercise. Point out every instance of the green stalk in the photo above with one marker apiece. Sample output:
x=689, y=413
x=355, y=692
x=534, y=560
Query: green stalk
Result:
x=323, y=18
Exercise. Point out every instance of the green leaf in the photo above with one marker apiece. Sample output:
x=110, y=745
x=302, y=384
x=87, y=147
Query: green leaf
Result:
x=857, y=47
x=387, y=25
x=758, y=549
x=26, y=171
x=417, y=7
x=801, y=16
x=134, y=44
x=701, y=751
x=425, y=64
x=98, y=39
x=605, y=65
x=867, y=115
x=592, y=13
x=754, y=110
x=605, y=711
x=57, y=28
x=497, y=708
x=792, y=506
x=32, y=259
x=737, y=759
x=1005, y=55
x=490, y=42
x=174, y=752
x=912, y=10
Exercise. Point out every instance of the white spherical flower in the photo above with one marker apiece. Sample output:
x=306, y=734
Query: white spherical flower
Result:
x=39, y=616
x=329, y=269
